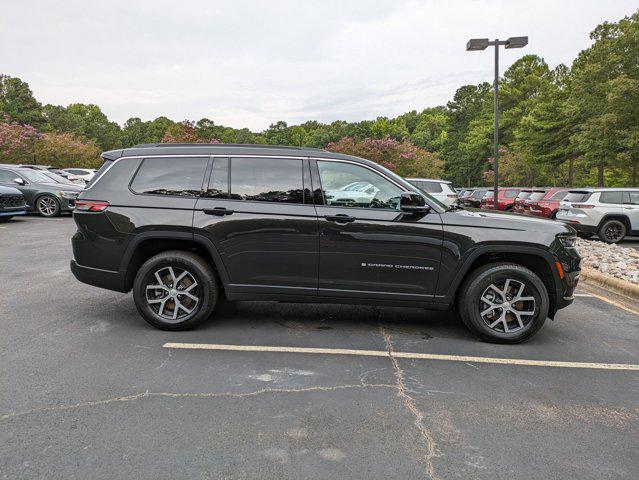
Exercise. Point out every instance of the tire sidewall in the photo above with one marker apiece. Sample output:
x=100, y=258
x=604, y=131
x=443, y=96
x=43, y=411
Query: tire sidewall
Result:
x=200, y=271
x=57, y=206
x=471, y=304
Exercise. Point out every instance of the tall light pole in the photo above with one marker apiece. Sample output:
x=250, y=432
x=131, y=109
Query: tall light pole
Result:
x=482, y=44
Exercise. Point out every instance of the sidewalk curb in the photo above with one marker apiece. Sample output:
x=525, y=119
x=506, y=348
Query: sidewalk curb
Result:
x=591, y=276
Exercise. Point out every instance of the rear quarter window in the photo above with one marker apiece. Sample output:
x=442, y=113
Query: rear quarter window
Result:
x=559, y=196
x=610, y=197
x=180, y=177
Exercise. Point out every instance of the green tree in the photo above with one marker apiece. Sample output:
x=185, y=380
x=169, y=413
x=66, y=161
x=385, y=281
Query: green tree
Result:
x=17, y=101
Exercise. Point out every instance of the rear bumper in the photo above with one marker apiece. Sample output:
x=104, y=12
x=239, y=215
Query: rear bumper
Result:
x=580, y=227
x=98, y=278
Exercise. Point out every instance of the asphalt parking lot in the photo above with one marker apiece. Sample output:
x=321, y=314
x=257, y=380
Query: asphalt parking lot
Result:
x=89, y=390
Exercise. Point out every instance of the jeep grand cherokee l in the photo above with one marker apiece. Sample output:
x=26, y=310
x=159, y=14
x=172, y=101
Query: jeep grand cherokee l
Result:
x=182, y=225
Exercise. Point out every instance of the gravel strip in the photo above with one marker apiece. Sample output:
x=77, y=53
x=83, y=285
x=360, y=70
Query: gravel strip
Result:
x=610, y=259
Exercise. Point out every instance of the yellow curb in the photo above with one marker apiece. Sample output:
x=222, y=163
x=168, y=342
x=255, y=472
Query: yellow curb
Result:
x=616, y=285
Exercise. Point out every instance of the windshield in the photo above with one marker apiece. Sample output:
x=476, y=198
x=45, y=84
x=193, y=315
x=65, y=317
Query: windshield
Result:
x=35, y=176
x=577, y=196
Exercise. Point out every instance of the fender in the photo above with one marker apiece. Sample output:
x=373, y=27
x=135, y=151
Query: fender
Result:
x=173, y=235
x=547, y=256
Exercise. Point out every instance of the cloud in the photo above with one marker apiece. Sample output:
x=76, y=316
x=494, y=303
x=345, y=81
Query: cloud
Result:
x=245, y=63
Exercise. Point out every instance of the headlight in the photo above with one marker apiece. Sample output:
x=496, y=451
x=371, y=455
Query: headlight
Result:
x=568, y=242
x=69, y=194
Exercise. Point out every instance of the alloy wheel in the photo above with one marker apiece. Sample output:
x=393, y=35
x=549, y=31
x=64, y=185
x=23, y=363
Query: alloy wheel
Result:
x=507, y=306
x=613, y=232
x=47, y=206
x=173, y=294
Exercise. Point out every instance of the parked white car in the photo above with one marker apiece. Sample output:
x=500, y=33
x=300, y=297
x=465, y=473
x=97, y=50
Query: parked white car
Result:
x=611, y=213
x=85, y=174
x=442, y=190
x=356, y=193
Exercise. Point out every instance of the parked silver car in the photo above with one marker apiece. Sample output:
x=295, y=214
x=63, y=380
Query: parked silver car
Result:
x=442, y=190
x=611, y=213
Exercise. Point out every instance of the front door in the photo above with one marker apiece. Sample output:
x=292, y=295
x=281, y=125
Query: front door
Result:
x=368, y=247
x=263, y=224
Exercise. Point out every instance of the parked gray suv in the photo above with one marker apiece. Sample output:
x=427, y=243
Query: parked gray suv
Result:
x=611, y=213
x=42, y=193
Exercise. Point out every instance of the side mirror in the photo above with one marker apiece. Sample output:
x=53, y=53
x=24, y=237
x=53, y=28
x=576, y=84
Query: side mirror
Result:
x=411, y=202
x=18, y=180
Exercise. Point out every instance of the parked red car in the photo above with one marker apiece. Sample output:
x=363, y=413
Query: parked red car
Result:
x=505, y=198
x=536, y=195
x=548, y=205
x=518, y=205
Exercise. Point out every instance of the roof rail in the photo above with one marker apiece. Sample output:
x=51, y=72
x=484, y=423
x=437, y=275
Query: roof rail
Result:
x=239, y=145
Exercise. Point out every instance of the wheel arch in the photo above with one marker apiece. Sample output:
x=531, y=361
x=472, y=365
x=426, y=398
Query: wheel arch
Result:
x=616, y=216
x=536, y=259
x=148, y=244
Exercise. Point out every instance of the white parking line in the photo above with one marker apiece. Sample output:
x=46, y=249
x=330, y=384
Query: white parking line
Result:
x=419, y=356
x=582, y=295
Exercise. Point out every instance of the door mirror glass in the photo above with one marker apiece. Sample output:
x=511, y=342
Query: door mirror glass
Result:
x=18, y=180
x=412, y=202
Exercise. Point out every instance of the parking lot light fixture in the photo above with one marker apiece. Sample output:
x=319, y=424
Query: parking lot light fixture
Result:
x=481, y=44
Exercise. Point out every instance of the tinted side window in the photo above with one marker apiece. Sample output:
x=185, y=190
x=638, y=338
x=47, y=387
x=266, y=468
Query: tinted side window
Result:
x=170, y=176
x=349, y=185
x=7, y=176
x=536, y=196
x=610, y=197
x=219, y=181
x=267, y=180
x=631, y=198
x=430, y=187
x=523, y=195
x=510, y=193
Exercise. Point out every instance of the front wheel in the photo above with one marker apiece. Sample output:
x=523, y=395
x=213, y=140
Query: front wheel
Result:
x=48, y=206
x=175, y=290
x=503, y=303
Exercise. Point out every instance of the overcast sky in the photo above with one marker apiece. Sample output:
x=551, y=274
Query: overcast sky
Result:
x=251, y=63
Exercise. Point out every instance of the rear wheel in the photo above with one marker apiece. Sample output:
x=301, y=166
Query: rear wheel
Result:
x=5, y=219
x=503, y=303
x=48, y=206
x=175, y=290
x=612, y=231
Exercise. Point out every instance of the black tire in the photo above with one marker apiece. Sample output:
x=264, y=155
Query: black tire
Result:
x=612, y=231
x=47, y=206
x=199, y=271
x=6, y=219
x=478, y=285
x=553, y=215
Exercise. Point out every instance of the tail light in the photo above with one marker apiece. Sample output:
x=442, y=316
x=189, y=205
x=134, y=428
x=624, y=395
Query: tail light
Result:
x=582, y=205
x=91, y=205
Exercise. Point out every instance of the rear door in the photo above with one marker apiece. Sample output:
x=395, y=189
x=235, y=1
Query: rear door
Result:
x=368, y=247
x=631, y=208
x=262, y=222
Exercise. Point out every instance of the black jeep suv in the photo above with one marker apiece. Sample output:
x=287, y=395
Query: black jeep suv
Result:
x=181, y=225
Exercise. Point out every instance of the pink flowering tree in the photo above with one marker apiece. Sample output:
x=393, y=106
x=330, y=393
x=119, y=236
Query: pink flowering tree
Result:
x=403, y=157
x=16, y=140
